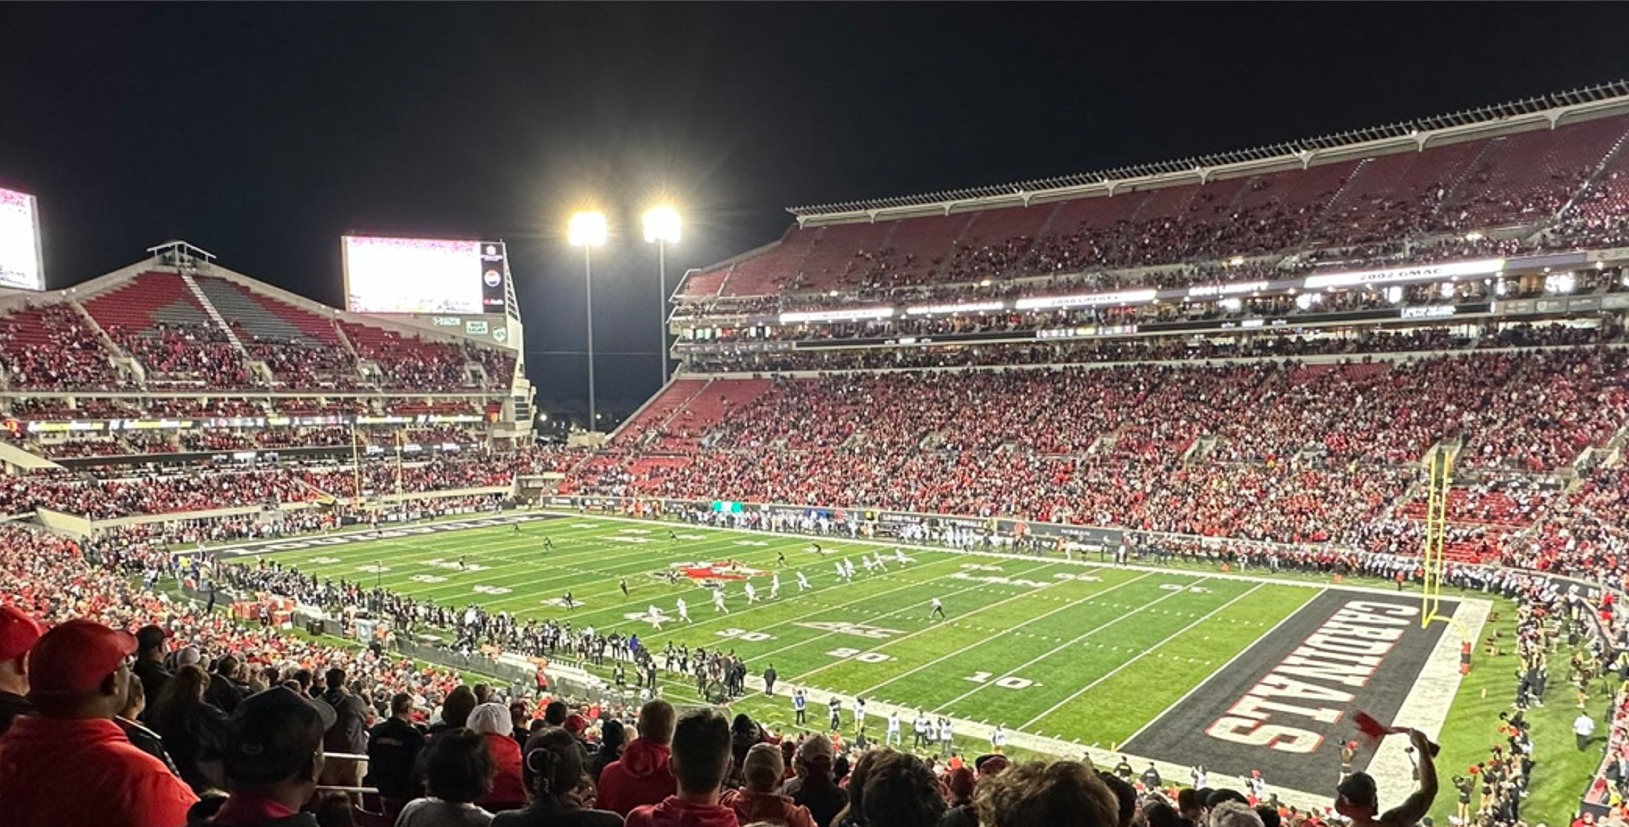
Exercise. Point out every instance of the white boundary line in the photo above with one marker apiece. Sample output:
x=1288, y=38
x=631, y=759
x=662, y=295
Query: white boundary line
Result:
x=1116, y=670
x=957, y=653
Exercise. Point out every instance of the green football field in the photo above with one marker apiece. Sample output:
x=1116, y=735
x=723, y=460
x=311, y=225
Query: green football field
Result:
x=1086, y=653
x=1019, y=637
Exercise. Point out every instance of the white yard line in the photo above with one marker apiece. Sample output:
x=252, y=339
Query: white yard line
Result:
x=1118, y=669
x=1219, y=670
x=914, y=607
x=960, y=653
x=1065, y=645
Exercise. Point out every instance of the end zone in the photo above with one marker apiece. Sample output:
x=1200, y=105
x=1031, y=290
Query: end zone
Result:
x=1283, y=706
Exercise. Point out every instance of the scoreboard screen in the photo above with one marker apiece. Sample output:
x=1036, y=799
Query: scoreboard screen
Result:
x=423, y=275
x=20, y=241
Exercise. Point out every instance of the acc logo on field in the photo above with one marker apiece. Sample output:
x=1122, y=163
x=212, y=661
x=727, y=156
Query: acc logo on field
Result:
x=856, y=629
x=560, y=603
x=323, y=561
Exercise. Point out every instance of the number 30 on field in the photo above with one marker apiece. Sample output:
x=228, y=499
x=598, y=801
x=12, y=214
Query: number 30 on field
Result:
x=742, y=634
x=1008, y=682
x=862, y=657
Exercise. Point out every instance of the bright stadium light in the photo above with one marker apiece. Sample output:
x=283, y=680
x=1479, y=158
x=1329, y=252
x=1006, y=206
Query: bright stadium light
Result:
x=662, y=225
x=587, y=230
x=662, y=229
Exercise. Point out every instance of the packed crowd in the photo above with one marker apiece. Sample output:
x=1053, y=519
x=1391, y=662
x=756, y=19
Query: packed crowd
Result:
x=185, y=355
x=74, y=356
x=208, y=486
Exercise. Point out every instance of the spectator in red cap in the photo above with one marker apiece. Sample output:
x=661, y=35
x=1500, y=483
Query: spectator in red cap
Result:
x=69, y=763
x=273, y=757
x=18, y=632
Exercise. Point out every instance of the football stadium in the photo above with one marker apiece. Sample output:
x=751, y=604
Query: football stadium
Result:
x=1215, y=491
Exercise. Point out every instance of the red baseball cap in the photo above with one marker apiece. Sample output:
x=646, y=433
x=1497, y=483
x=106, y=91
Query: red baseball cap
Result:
x=77, y=656
x=18, y=633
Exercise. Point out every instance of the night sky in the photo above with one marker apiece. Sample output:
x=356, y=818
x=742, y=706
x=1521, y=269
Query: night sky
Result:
x=264, y=132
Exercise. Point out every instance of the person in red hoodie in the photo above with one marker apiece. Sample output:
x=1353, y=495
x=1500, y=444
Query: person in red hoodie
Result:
x=760, y=799
x=495, y=726
x=700, y=759
x=641, y=776
x=69, y=763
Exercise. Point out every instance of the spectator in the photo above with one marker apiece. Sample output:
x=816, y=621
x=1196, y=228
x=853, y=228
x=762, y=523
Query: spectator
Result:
x=1359, y=801
x=760, y=799
x=348, y=735
x=492, y=722
x=393, y=747
x=959, y=782
x=900, y=791
x=815, y=786
x=225, y=687
x=458, y=771
x=642, y=775
x=555, y=759
x=18, y=633
x=1039, y=794
x=700, y=760
x=192, y=730
x=1236, y=814
x=69, y=763
x=745, y=733
x=144, y=739
x=455, y=710
x=272, y=758
x=610, y=749
x=150, y=660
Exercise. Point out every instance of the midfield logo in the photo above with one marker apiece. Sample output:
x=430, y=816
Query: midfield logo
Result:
x=856, y=629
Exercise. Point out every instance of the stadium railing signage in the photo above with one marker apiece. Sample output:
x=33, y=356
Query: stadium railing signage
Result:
x=1433, y=272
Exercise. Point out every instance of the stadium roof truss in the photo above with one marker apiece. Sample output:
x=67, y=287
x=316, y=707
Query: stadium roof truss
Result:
x=1547, y=111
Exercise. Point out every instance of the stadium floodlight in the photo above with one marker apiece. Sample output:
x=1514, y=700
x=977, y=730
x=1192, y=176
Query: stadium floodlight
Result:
x=587, y=230
x=662, y=229
x=662, y=225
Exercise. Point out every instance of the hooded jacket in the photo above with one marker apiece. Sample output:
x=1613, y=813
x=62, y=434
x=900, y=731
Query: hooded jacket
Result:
x=56, y=772
x=640, y=777
x=675, y=813
x=771, y=807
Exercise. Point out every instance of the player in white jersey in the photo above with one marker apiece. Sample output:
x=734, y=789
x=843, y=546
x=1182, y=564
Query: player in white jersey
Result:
x=752, y=594
x=893, y=737
x=655, y=617
x=869, y=566
x=899, y=557
x=998, y=739
x=718, y=601
x=848, y=569
x=684, y=610
x=775, y=586
x=882, y=565
x=938, y=610
x=803, y=582
x=841, y=575
x=859, y=714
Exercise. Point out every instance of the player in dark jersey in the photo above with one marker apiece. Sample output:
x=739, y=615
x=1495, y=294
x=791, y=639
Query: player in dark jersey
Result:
x=547, y=542
x=570, y=604
x=623, y=584
x=780, y=558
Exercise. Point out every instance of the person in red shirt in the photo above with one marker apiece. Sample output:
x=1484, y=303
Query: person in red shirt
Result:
x=18, y=633
x=70, y=763
x=761, y=799
x=700, y=759
x=642, y=775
